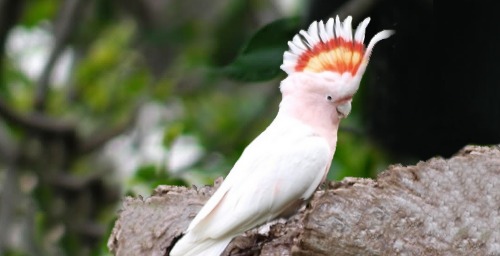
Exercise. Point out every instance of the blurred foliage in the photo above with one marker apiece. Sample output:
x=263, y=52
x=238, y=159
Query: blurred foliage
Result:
x=263, y=54
x=152, y=176
x=218, y=82
x=39, y=11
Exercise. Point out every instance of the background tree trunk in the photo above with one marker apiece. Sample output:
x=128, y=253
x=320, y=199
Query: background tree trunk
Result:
x=438, y=207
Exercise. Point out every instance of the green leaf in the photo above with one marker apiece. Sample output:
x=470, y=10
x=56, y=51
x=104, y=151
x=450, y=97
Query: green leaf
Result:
x=263, y=54
x=146, y=173
x=172, y=132
x=39, y=11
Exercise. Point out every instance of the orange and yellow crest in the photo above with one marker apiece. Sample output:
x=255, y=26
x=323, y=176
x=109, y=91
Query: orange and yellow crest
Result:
x=327, y=47
x=337, y=55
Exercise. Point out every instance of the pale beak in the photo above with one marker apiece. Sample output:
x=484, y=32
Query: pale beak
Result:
x=344, y=109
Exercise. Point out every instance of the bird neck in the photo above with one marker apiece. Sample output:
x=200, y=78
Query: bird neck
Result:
x=322, y=120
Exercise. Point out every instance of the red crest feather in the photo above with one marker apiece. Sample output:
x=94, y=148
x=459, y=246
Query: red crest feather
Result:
x=330, y=47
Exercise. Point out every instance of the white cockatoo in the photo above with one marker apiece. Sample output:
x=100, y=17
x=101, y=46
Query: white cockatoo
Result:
x=288, y=161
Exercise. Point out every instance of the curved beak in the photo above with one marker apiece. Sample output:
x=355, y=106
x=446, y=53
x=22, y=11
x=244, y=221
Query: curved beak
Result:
x=344, y=107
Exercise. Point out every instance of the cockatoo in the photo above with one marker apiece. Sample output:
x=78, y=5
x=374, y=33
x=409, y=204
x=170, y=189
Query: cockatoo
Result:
x=287, y=162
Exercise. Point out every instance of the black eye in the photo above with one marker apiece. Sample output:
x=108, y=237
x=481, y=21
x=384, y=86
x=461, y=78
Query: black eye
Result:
x=329, y=98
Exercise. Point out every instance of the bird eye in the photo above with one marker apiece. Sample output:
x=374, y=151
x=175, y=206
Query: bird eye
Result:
x=329, y=98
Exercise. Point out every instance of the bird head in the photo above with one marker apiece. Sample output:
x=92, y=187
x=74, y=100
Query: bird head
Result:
x=328, y=60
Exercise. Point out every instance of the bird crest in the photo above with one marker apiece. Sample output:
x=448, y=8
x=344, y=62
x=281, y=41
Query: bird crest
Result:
x=330, y=46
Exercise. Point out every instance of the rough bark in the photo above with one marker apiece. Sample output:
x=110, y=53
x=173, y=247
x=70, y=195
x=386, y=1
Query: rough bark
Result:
x=438, y=207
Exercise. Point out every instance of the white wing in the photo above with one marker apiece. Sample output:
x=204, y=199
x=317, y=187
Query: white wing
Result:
x=285, y=163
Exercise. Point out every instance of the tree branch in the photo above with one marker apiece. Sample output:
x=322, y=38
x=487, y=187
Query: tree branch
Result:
x=436, y=207
x=8, y=199
x=40, y=124
x=8, y=147
x=69, y=16
x=10, y=11
x=102, y=137
x=141, y=11
x=36, y=123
